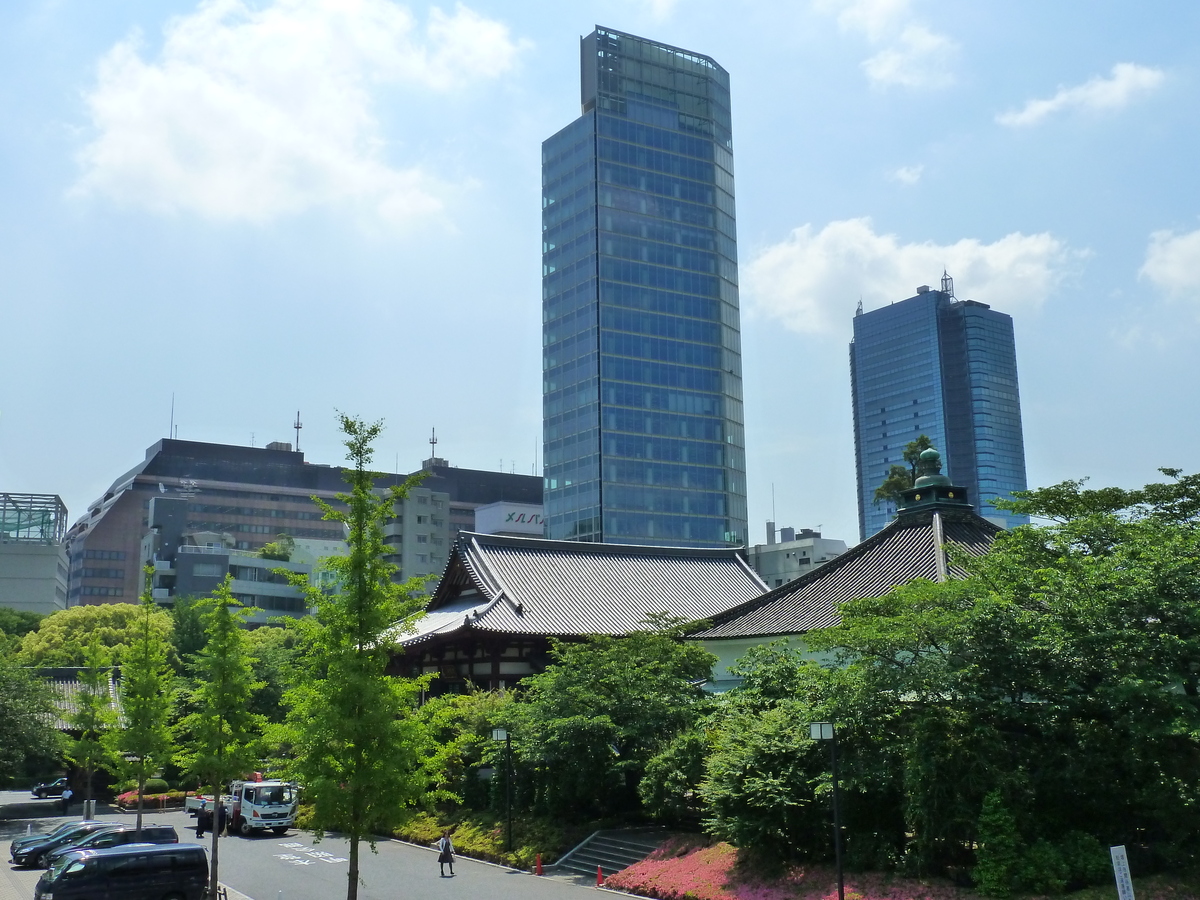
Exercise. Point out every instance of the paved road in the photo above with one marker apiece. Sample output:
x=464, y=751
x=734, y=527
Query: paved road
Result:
x=262, y=867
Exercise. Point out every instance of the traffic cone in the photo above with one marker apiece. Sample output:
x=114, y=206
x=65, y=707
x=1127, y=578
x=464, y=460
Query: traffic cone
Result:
x=599, y=877
x=537, y=869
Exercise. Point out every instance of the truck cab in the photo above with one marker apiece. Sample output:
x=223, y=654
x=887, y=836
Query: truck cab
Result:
x=258, y=805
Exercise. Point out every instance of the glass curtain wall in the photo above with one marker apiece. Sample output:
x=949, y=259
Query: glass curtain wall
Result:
x=946, y=368
x=643, y=424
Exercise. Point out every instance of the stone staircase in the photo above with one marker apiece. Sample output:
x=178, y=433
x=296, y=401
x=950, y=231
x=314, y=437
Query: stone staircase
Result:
x=611, y=850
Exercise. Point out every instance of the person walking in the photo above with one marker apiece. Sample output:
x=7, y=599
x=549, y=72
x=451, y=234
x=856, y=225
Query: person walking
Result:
x=201, y=816
x=67, y=794
x=445, y=853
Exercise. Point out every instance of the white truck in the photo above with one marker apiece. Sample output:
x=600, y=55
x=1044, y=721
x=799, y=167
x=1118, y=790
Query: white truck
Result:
x=252, y=806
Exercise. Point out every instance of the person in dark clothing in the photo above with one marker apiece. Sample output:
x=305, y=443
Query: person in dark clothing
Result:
x=202, y=817
x=220, y=818
x=445, y=853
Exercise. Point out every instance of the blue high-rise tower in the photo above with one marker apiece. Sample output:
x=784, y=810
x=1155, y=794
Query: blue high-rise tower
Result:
x=642, y=377
x=946, y=368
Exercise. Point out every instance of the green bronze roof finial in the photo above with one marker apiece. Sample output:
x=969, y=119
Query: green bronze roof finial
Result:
x=931, y=487
x=929, y=466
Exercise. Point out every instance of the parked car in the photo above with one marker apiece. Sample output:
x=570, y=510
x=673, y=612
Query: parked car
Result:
x=51, y=789
x=114, y=837
x=26, y=839
x=132, y=872
x=31, y=854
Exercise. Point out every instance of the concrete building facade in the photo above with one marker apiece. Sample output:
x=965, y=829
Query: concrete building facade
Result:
x=33, y=559
x=793, y=555
x=249, y=496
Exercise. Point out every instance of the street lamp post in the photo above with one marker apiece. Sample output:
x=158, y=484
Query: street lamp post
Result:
x=500, y=734
x=825, y=731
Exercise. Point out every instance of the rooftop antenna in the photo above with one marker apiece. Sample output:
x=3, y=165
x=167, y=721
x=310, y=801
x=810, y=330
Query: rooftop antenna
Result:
x=171, y=430
x=252, y=439
x=859, y=311
x=947, y=283
x=297, y=425
x=433, y=443
x=773, y=519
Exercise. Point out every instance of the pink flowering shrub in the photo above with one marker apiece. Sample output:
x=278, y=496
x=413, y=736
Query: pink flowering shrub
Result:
x=687, y=869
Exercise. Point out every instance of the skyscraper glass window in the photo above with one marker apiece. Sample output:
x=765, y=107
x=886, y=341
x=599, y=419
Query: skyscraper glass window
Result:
x=946, y=368
x=642, y=391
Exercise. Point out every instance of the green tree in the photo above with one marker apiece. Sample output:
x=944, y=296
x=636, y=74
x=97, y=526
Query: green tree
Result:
x=275, y=656
x=1063, y=673
x=220, y=735
x=901, y=478
x=16, y=623
x=93, y=716
x=187, y=628
x=62, y=637
x=357, y=743
x=590, y=723
x=28, y=738
x=143, y=744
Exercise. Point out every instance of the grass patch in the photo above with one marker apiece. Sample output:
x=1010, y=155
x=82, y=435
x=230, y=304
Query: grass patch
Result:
x=483, y=836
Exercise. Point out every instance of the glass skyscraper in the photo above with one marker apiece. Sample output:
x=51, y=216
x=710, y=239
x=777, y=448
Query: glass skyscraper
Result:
x=642, y=376
x=946, y=368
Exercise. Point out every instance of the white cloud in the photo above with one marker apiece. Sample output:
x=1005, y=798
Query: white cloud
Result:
x=919, y=58
x=661, y=9
x=874, y=18
x=1098, y=94
x=908, y=174
x=812, y=280
x=251, y=113
x=913, y=56
x=1173, y=264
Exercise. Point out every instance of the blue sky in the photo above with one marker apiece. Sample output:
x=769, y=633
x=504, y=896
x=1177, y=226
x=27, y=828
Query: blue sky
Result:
x=260, y=207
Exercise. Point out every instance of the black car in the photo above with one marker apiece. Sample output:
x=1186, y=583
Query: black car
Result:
x=27, y=839
x=53, y=789
x=132, y=872
x=31, y=854
x=113, y=837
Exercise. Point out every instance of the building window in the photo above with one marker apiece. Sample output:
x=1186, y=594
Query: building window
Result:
x=103, y=554
x=208, y=570
x=422, y=539
x=90, y=591
x=422, y=520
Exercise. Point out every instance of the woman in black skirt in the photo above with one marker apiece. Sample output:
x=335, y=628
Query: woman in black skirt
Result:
x=445, y=853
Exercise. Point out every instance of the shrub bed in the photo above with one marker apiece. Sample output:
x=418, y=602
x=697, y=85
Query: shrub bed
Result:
x=689, y=868
x=162, y=800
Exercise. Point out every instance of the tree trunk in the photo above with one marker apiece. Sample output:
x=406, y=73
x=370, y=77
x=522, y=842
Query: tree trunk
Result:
x=212, y=878
x=141, y=790
x=352, y=873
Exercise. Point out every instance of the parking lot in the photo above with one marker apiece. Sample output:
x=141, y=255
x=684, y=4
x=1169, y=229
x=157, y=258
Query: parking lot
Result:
x=295, y=867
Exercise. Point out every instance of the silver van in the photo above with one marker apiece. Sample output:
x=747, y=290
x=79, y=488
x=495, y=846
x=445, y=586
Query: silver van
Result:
x=131, y=872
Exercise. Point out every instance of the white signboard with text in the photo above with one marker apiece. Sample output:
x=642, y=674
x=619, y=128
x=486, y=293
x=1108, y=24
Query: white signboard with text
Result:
x=1120, y=863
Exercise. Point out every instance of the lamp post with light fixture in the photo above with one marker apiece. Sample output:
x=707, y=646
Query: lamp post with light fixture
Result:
x=501, y=734
x=825, y=731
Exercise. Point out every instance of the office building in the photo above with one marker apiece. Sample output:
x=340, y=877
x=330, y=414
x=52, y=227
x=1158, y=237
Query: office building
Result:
x=794, y=554
x=192, y=563
x=248, y=496
x=642, y=389
x=946, y=368
x=467, y=490
x=33, y=558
